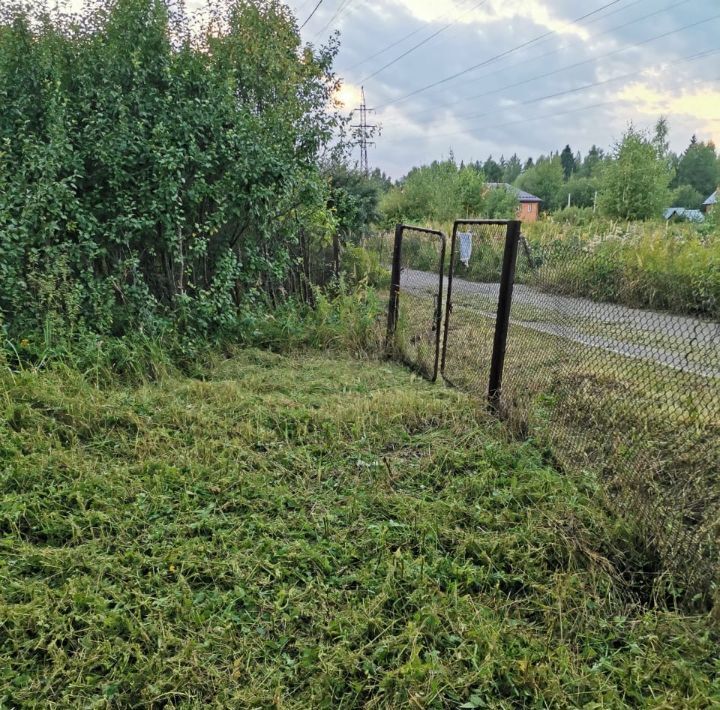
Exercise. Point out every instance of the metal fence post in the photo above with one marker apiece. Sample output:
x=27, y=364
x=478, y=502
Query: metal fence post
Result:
x=448, y=297
x=438, y=310
x=502, y=322
x=394, y=288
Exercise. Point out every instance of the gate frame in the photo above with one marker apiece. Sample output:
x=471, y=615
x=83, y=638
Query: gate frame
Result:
x=393, y=305
x=504, y=304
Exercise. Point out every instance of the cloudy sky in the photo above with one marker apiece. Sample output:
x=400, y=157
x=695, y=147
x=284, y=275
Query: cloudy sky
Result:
x=544, y=76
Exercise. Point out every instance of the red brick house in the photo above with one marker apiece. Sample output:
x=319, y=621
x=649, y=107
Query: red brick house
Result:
x=529, y=205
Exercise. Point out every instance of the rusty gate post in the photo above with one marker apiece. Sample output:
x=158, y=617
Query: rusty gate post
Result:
x=448, y=297
x=438, y=315
x=502, y=323
x=394, y=289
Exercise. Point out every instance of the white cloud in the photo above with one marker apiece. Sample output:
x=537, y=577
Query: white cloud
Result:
x=535, y=11
x=700, y=103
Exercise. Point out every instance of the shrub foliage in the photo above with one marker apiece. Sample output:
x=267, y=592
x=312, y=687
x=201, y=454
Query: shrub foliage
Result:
x=155, y=168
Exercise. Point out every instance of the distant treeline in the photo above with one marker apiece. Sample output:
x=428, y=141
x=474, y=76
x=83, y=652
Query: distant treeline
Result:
x=636, y=179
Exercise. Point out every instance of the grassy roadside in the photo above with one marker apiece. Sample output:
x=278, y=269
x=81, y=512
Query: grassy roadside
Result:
x=631, y=396
x=306, y=531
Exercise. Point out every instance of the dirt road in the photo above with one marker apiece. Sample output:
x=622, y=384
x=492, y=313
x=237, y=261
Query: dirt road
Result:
x=683, y=343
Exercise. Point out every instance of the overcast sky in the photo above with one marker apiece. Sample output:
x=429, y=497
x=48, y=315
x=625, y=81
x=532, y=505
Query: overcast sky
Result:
x=580, y=83
x=652, y=56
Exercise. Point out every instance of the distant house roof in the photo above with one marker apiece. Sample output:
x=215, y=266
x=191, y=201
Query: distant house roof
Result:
x=712, y=200
x=521, y=194
x=682, y=213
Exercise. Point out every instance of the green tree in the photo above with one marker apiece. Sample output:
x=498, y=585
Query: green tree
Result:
x=441, y=192
x=686, y=196
x=492, y=170
x=567, y=159
x=470, y=185
x=581, y=191
x=543, y=180
x=153, y=169
x=593, y=162
x=699, y=167
x=512, y=169
x=427, y=192
x=635, y=182
x=353, y=199
x=499, y=204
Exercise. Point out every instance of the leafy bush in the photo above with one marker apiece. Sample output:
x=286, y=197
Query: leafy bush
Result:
x=579, y=216
x=419, y=252
x=348, y=321
x=363, y=265
x=686, y=196
x=580, y=190
x=544, y=180
x=635, y=183
x=152, y=174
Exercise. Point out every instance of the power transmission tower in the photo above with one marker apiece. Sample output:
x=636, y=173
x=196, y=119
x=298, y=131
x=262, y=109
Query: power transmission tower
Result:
x=364, y=130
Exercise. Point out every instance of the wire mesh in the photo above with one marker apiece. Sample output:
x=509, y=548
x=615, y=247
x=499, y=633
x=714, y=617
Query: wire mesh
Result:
x=476, y=257
x=418, y=269
x=631, y=393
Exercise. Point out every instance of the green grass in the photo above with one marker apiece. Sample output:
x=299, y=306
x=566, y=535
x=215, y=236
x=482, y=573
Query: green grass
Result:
x=651, y=433
x=302, y=531
x=672, y=268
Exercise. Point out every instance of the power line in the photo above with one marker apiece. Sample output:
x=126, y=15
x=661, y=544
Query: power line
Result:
x=342, y=7
x=310, y=16
x=588, y=61
x=602, y=82
x=495, y=57
x=594, y=59
x=546, y=97
x=445, y=17
x=604, y=32
x=554, y=114
x=406, y=37
x=426, y=40
x=536, y=58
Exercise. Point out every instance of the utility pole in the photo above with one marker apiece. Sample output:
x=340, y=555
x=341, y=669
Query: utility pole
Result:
x=364, y=129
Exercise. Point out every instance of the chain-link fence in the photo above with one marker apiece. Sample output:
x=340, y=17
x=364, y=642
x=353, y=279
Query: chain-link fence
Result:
x=632, y=395
x=474, y=334
x=416, y=298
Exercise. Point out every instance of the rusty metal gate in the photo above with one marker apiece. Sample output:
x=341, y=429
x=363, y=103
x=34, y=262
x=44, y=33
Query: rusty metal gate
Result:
x=483, y=255
x=416, y=298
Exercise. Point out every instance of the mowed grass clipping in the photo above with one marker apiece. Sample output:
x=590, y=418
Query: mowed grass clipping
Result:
x=307, y=531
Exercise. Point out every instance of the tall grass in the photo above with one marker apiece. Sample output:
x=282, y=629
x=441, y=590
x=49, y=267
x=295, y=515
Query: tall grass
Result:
x=645, y=264
x=669, y=267
x=347, y=318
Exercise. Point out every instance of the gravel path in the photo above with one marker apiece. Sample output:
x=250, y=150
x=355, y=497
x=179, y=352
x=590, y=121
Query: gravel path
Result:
x=647, y=335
